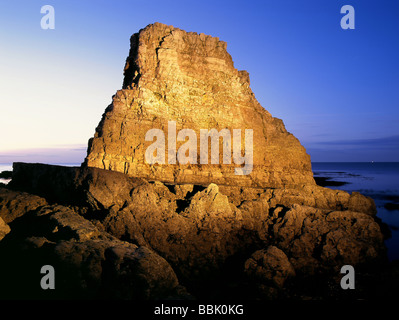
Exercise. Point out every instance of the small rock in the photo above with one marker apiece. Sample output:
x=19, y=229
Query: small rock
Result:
x=269, y=266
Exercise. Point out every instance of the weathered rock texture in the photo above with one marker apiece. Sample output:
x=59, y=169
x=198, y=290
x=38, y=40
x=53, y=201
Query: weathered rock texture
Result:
x=220, y=241
x=89, y=262
x=4, y=228
x=155, y=231
x=270, y=268
x=173, y=75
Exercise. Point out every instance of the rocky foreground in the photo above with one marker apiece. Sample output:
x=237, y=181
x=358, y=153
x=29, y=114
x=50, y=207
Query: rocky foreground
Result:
x=116, y=237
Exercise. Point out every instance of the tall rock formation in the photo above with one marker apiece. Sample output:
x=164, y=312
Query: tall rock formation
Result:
x=190, y=79
x=118, y=227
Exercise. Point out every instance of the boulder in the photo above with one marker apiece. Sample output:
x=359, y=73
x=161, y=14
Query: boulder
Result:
x=269, y=268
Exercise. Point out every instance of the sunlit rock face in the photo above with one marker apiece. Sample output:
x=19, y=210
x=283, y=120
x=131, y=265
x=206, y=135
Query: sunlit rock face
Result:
x=187, y=79
x=120, y=227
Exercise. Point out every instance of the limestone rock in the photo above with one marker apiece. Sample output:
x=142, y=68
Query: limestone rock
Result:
x=199, y=229
x=139, y=271
x=78, y=186
x=315, y=239
x=307, y=195
x=34, y=179
x=64, y=223
x=14, y=204
x=202, y=232
x=110, y=268
x=195, y=234
x=89, y=262
x=118, y=227
x=4, y=229
x=269, y=265
x=269, y=269
x=174, y=75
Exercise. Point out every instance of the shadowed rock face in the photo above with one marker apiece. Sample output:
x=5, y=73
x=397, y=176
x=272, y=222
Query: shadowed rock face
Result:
x=189, y=78
x=219, y=240
x=89, y=262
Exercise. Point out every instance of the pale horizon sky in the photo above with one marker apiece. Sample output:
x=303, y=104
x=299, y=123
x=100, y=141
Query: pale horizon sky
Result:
x=336, y=90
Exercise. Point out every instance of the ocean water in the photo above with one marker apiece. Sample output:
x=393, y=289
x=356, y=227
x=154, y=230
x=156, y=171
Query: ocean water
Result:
x=378, y=180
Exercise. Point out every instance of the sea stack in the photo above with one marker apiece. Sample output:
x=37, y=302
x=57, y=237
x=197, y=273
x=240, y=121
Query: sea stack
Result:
x=189, y=79
x=121, y=227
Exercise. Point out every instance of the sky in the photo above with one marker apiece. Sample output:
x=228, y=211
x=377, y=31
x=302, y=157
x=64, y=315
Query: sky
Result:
x=336, y=90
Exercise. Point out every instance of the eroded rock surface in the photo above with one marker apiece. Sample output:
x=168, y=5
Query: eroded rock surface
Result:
x=118, y=227
x=207, y=234
x=269, y=268
x=89, y=262
x=4, y=228
x=189, y=78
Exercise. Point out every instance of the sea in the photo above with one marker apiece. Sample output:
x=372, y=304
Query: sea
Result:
x=378, y=180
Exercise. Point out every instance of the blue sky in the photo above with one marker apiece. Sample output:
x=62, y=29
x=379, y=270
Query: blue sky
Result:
x=336, y=90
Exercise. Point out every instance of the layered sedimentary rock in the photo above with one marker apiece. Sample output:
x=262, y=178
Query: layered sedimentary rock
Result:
x=189, y=79
x=118, y=227
x=217, y=239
